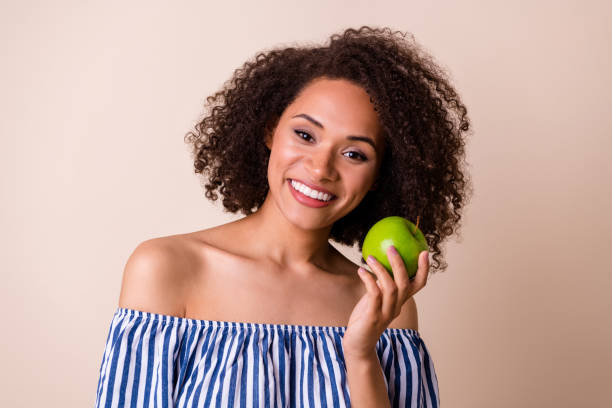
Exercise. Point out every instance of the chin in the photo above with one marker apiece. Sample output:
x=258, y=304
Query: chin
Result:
x=299, y=219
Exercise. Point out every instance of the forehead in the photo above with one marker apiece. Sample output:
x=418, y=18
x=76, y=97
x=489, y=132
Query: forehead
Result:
x=339, y=105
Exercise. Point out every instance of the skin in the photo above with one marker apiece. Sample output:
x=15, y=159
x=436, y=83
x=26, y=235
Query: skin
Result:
x=276, y=261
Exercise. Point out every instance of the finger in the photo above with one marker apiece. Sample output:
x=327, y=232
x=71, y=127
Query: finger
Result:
x=372, y=288
x=389, y=288
x=420, y=279
x=400, y=276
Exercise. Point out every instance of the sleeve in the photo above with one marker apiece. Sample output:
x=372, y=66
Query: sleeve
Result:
x=409, y=370
x=138, y=362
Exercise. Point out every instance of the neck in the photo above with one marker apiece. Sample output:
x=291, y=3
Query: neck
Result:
x=288, y=245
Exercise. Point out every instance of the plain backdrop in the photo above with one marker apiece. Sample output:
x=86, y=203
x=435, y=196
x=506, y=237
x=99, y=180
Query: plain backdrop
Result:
x=96, y=97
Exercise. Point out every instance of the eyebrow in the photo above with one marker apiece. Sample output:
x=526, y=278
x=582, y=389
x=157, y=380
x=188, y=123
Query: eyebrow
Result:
x=349, y=137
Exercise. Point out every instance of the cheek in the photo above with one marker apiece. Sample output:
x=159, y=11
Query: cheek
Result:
x=283, y=156
x=282, y=160
x=358, y=183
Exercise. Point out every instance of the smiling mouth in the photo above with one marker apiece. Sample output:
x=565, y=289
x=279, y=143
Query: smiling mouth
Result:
x=308, y=192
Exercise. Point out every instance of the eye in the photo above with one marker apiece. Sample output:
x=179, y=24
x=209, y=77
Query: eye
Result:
x=299, y=133
x=359, y=155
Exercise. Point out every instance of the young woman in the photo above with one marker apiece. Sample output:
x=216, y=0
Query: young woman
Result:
x=311, y=144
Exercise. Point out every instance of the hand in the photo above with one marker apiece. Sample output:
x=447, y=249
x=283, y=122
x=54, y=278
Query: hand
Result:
x=382, y=302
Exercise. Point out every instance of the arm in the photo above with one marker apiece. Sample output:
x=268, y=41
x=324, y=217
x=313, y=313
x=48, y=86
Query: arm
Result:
x=365, y=376
x=366, y=382
x=140, y=351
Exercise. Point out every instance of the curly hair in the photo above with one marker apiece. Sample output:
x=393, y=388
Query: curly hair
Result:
x=423, y=122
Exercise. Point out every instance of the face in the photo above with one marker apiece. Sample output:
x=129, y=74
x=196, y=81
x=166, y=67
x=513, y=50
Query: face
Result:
x=328, y=139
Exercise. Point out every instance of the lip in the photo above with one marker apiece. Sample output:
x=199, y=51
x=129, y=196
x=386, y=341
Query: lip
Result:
x=314, y=187
x=307, y=201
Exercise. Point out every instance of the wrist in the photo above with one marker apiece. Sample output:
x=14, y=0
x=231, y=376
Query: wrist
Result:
x=357, y=351
x=360, y=354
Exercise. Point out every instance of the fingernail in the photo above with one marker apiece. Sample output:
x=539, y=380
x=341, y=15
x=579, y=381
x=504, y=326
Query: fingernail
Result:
x=393, y=250
x=370, y=258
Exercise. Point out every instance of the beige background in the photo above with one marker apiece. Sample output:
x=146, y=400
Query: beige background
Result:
x=96, y=98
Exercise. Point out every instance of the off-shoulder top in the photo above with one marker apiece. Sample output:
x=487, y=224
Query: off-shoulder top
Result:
x=156, y=360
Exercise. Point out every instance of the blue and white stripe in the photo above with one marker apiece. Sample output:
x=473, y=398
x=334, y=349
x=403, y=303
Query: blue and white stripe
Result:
x=155, y=360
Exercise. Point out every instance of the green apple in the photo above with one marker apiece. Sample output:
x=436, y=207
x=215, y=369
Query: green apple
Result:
x=406, y=237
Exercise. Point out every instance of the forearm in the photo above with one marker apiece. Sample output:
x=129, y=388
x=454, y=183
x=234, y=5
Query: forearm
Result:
x=366, y=382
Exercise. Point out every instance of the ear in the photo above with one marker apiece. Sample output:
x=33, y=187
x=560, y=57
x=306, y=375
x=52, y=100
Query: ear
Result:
x=268, y=140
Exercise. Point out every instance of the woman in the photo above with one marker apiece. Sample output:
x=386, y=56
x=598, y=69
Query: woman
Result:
x=321, y=142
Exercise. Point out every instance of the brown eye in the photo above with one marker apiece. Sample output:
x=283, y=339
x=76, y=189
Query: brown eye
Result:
x=299, y=133
x=360, y=156
x=306, y=137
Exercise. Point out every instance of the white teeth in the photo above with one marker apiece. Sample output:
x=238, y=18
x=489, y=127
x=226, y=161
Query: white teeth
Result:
x=317, y=195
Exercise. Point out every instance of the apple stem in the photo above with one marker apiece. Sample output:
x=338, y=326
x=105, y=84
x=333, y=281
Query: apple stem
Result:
x=417, y=224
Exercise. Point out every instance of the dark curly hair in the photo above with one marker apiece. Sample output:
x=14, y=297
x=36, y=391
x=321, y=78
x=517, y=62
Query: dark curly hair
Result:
x=422, y=121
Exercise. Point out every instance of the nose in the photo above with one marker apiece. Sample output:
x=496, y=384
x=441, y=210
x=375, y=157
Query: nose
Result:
x=321, y=165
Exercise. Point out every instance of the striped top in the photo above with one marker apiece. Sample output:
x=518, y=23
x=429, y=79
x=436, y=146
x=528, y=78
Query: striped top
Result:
x=156, y=360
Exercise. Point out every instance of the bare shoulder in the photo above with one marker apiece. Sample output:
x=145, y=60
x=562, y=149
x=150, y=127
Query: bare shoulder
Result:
x=408, y=317
x=156, y=276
